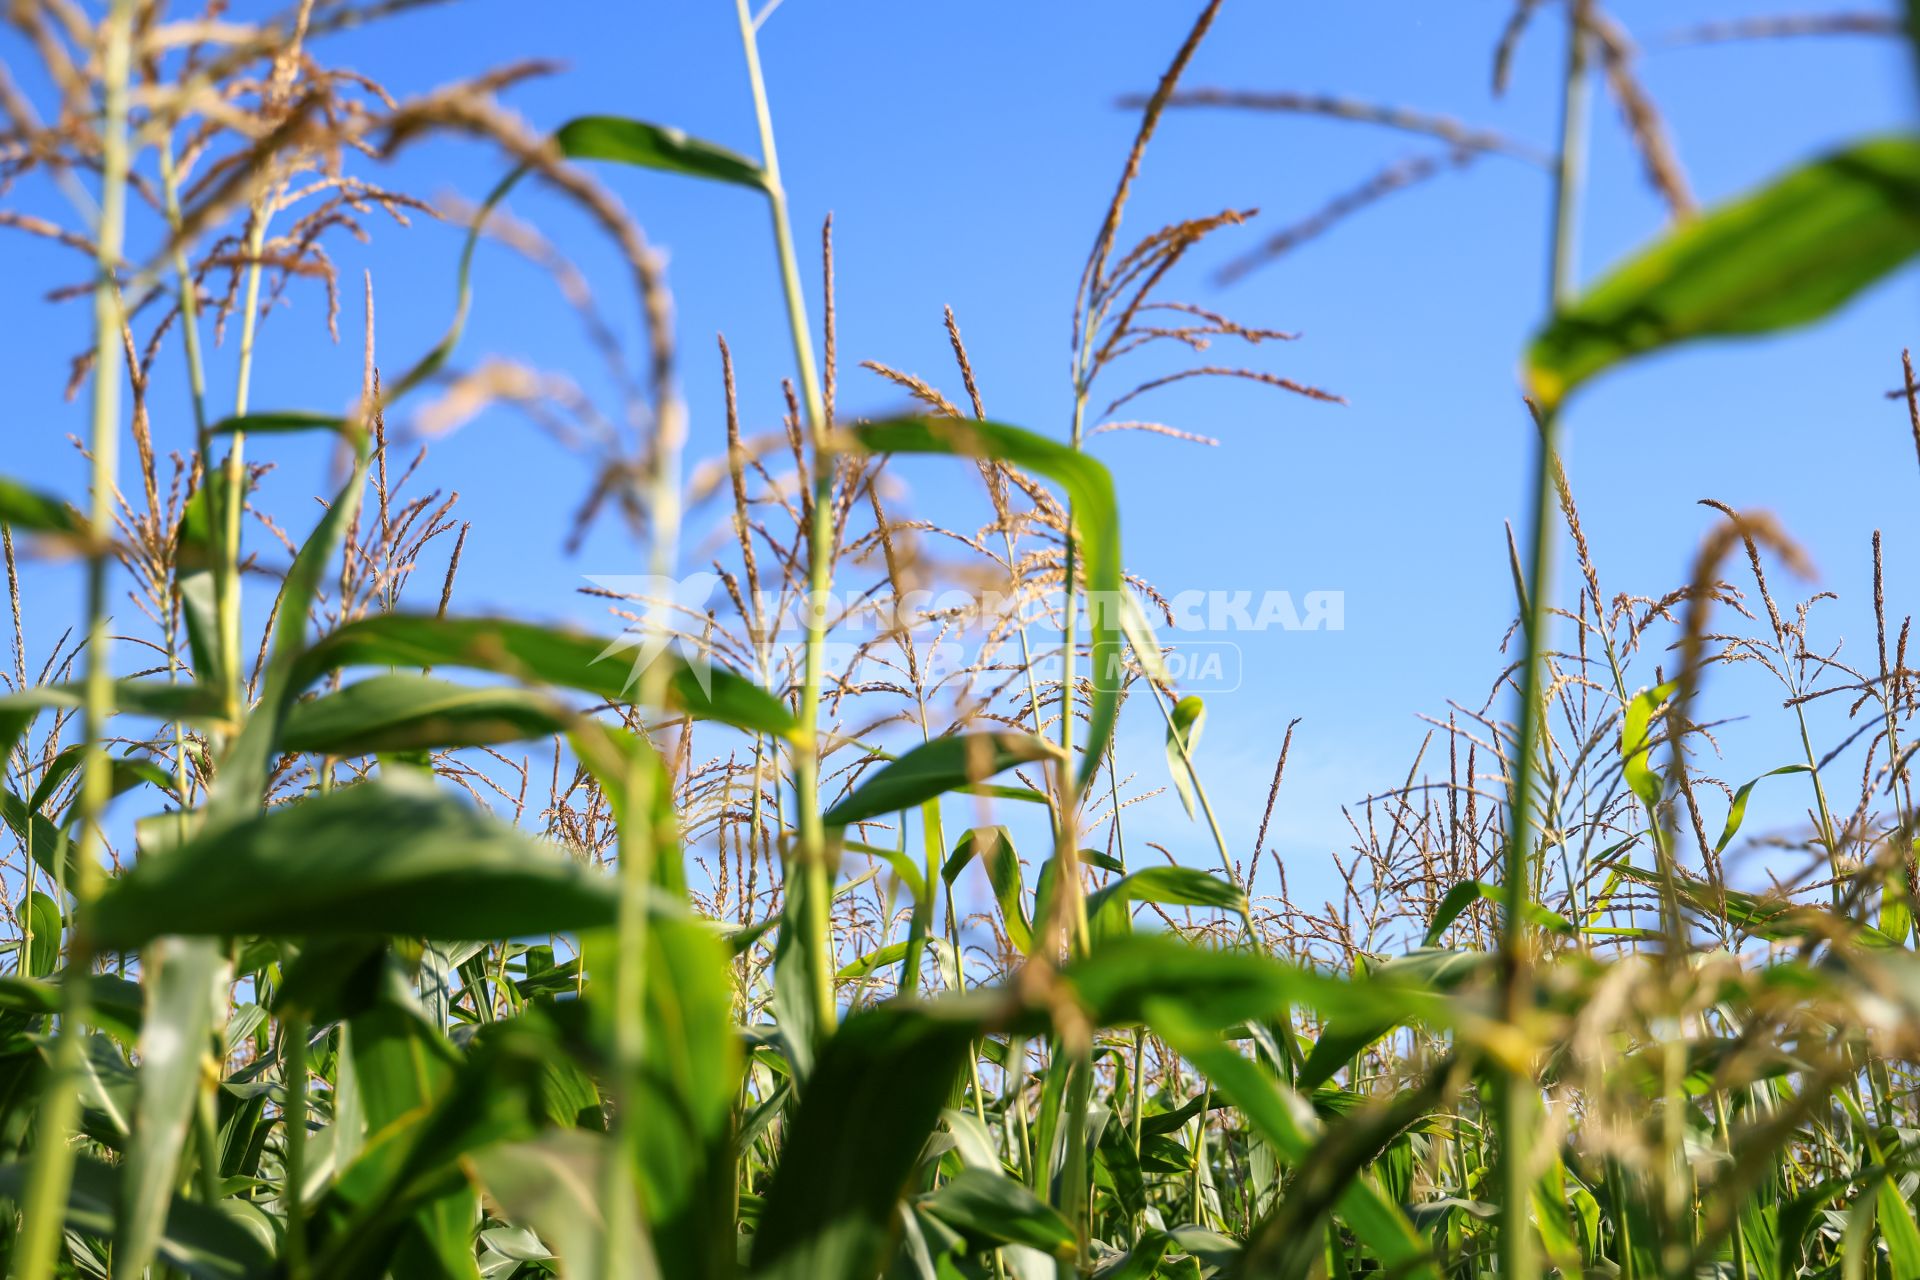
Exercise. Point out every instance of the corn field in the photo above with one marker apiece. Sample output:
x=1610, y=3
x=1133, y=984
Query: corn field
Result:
x=349, y=932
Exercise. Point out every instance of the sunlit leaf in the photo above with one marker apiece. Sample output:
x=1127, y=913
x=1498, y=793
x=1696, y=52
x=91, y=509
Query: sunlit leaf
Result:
x=652, y=146
x=1785, y=255
x=935, y=768
x=1189, y=718
x=375, y=858
x=1096, y=520
x=543, y=655
x=405, y=712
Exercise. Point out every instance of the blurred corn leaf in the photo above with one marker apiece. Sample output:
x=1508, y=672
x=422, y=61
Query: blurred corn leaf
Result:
x=388, y=857
x=24, y=508
x=202, y=1241
x=991, y=1209
x=1467, y=892
x=1426, y=970
x=402, y=712
x=186, y=993
x=1785, y=255
x=545, y=655
x=1288, y=1127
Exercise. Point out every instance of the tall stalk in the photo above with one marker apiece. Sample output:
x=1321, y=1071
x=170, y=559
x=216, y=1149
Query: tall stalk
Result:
x=641, y=839
x=1518, y=1100
x=817, y=944
x=52, y=1171
x=293, y=1056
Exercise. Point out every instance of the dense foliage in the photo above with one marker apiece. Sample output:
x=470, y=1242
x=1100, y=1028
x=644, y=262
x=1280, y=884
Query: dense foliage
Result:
x=307, y=979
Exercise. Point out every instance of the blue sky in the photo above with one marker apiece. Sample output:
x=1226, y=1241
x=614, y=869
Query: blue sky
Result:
x=967, y=151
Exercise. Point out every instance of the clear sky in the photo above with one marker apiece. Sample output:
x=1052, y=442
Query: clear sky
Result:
x=967, y=151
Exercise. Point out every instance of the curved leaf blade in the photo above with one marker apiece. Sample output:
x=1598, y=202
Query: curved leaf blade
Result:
x=1187, y=720
x=388, y=857
x=1785, y=255
x=25, y=508
x=405, y=712
x=1096, y=519
x=653, y=146
x=935, y=768
x=545, y=655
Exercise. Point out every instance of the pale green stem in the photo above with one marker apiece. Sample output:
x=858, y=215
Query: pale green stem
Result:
x=197, y=386
x=51, y=1174
x=233, y=490
x=817, y=948
x=294, y=1084
x=1518, y=1102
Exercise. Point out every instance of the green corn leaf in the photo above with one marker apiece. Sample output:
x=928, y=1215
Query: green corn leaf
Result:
x=1785, y=255
x=53, y=850
x=1284, y=1124
x=899, y=863
x=196, y=551
x=197, y=1240
x=117, y=1005
x=1468, y=892
x=158, y=700
x=1221, y=988
x=1553, y=1218
x=994, y=847
x=874, y=1095
x=1142, y=1261
x=1895, y=1215
x=652, y=146
x=405, y=712
x=991, y=1209
x=588, y=138
x=881, y=1082
x=935, y=768
x=24, y=508
x=1737, y=811
x=633, y=777
x=544, y=655
x=128, y=772
x=44, y=956
x=244, y=774
x=1760, y=916
x=1138, y=629
x=1096, y=520
x=878, y=958
x=1636, y=731
x=395, y=856
x=1429, y=970
x=555, y=1184
x=281, y=422
x=187, y=981
x=685, y=1088
x=1166, y=886
x=1896, y=904
x=1116, y=1168
x=408, y=1194
x=1189, y=718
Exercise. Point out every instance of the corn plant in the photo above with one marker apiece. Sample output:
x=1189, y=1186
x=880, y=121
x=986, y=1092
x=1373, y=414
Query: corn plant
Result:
x=307, y=980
